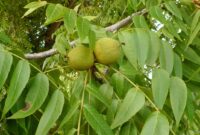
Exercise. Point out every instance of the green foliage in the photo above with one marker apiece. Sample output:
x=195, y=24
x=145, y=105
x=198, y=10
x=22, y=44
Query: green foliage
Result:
x=153, y=88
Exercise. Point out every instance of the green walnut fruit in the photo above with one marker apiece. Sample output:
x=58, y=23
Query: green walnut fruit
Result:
x=81, y=58
x=107, y=51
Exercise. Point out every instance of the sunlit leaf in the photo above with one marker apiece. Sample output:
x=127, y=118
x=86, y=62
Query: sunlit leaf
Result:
x=83, y=27
x=37, y=93
x=128, y=129
x=157, y=13
x=70, y=20
x=54, y=12
x=156, y=124
x=160, y=86
x=5, y=65
x=92, y=39
x=143, y=45
x=17, y=84
x=33, y=6
x=129, y=48
x=172, y=7
x=178, y=97
x=166, y=57
x=173, y=30
x=154, y=48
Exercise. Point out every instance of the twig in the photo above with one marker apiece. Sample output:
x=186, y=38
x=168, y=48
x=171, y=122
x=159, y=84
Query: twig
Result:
x=110, y=28
x=125, y=21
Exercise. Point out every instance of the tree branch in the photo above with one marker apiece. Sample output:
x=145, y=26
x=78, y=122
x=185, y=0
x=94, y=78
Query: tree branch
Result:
x=111, y=28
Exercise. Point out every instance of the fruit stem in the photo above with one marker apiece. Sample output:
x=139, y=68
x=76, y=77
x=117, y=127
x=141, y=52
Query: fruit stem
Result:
x=82, y=103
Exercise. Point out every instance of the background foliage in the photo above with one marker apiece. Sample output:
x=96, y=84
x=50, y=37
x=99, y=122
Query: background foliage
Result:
x=153, y=89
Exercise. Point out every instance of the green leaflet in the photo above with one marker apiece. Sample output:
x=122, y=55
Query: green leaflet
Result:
x=70, y=113
x=70, y=20
x=156, y=124
x=172, y=7
x=154, y=48
x=33, y=6
x=178, y=97
x=17, y=84
x=142, y=45
x=178, y=69
x=96, y=93
x=54, y=12
x=132, y=103
x=37, y=93
x=5, y=65
x=160, y=86
x=96, y=121
x=129, y=48
x=51, y=113
x=83, y=27
x=166, y=57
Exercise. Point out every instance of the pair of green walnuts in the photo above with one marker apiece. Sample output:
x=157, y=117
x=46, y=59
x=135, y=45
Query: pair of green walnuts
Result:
x=106, y=51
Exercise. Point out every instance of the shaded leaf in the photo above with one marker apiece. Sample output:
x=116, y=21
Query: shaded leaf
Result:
x=70, y=113
x=178, y=97
x=126, y=110
x=17, y=84
x=156, y=124
x=96, y=121
x=107, y=91
x=96, y=93
x=191, y=55
x=178, y=70
x=51, y=113
x=128, y=129
x=38, y=90
x=118, y=83
x=195, y=20
x=191, y=72
x=4, y=38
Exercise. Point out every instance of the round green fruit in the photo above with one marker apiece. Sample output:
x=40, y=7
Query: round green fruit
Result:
x=107, y=51
x=81, y=58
